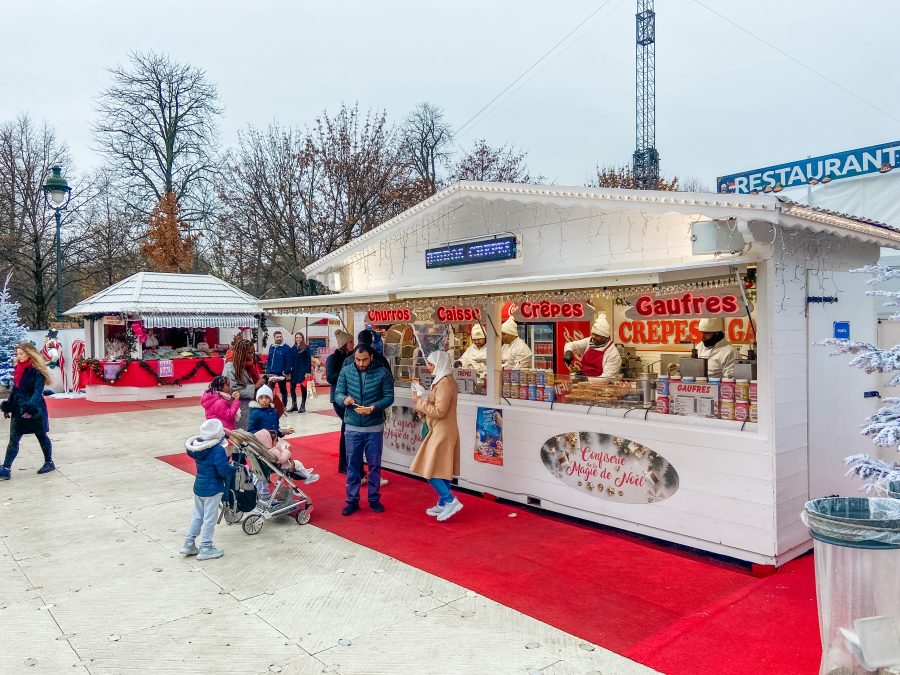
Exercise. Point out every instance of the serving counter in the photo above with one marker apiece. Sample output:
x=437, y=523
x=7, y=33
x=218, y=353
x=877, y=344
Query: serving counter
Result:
x=136, y=380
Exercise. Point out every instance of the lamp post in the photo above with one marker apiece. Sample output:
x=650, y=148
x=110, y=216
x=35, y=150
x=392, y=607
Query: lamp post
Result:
x=57, y=193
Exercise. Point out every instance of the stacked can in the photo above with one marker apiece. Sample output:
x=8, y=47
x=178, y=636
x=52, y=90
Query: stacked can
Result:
x=662, y=394
x=506, y=389
x=742, y=400
x=726, y=399
x=754, y=408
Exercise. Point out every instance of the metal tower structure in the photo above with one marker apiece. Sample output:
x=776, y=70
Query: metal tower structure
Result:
x=645, y=161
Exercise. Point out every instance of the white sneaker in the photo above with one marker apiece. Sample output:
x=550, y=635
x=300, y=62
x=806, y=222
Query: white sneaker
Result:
x=384, y=481
x=312, y=478
x=435, y=510
x=450, y=509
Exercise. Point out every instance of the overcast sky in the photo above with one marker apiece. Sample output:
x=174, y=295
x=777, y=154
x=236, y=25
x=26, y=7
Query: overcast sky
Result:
x=725, y=101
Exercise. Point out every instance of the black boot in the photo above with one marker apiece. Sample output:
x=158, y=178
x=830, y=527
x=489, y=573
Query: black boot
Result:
x=293, y=407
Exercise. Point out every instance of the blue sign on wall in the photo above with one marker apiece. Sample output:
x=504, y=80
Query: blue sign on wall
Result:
x=823, y=169
x=842, y=330
x=485, y=250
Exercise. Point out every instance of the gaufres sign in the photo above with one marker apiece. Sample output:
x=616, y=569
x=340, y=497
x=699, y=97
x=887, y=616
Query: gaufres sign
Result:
x=543, y=311
x=823, y=169
x=717, y=304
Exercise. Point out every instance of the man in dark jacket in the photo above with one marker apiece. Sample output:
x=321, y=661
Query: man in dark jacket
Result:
x=366, y=389
x=279, y=362
x=367, y=338
x=333, y=366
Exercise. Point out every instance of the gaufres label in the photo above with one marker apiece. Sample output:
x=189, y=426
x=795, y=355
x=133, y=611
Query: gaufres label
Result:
x=698, y=304
x=390, y=315
x=551, y=310
x=457, y=314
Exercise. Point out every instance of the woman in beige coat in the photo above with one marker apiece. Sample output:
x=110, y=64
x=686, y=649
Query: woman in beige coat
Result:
x=438, y=457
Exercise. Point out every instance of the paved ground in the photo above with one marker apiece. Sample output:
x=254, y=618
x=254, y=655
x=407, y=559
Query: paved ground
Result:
x=91, y=581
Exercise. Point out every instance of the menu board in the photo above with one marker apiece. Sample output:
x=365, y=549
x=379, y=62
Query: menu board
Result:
x=698, y=400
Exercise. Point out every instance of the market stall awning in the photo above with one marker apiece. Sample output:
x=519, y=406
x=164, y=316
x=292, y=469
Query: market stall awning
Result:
x=199, y=320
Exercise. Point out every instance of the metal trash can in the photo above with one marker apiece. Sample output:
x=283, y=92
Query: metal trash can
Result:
x=857, y=556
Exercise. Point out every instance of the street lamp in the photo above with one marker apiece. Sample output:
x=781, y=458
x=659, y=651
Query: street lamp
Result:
x=57, y=193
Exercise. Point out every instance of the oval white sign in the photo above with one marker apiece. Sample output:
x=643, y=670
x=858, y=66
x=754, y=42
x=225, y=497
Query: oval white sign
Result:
x=610, y=467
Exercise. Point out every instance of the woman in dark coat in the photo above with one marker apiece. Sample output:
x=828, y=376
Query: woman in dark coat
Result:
x=26, y=407
x=301, y=366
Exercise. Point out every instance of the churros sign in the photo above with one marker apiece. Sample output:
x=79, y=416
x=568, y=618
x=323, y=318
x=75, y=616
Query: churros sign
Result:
x=390, y=315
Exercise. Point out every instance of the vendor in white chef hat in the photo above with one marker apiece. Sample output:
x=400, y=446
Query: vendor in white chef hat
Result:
x=514, y=352
x=719, y=354
x=599, y=356
x=475, y=357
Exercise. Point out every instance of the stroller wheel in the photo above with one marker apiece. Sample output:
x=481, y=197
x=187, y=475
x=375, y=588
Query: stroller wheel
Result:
x=253, y=524
x=231, y=515
x=304, y=515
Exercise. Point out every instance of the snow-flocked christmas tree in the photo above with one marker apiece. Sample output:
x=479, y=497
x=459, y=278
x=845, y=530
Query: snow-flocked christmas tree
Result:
x=11, y=333
x=884, y=426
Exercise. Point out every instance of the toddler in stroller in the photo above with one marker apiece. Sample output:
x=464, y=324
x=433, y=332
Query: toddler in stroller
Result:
x=281, y=454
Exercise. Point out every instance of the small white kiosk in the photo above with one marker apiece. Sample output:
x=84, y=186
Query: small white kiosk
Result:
x=655, y=263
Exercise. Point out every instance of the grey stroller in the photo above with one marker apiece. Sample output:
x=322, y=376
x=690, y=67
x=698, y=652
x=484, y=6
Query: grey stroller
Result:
x=286, y=497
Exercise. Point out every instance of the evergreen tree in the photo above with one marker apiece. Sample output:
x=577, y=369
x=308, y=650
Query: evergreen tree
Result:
x=884, y=426
x=11, y=333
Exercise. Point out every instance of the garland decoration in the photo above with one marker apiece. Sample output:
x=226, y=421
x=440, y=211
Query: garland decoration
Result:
x=96, y=367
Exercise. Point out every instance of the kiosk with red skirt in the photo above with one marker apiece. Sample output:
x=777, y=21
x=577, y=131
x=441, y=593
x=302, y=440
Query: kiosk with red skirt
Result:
x=156, y=335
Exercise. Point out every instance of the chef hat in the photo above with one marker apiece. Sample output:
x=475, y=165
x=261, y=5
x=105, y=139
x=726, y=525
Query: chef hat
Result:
x=601, y=327
x=510, y=327
x=477, y=332
x=264, y=391
x=711, y=326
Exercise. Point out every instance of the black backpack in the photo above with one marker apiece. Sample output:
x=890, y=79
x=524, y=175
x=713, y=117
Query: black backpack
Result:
x=241, y=494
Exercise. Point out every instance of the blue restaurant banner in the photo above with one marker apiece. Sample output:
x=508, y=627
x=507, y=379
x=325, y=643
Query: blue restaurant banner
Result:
x=813, y=171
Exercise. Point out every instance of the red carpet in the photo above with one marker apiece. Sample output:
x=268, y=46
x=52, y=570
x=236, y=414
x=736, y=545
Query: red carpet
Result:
x=80, y=407
x=679, y=613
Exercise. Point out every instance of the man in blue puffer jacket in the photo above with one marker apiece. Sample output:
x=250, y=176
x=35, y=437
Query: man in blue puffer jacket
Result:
x=278, y=362
x=366, y=390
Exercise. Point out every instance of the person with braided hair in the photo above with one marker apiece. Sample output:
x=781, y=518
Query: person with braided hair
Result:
x=243, y=376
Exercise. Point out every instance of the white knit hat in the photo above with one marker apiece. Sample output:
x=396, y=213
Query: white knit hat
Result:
x=601, y=326
x=264, y=390
x=342, y=337
x=510, y=327
x=477, y=332
x=711, y=325
x=211, y=429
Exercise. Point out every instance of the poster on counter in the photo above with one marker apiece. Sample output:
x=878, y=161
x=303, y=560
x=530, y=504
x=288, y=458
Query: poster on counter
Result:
x=402, y=430
x=607, y=467
x=489, y=436
x=165, y=368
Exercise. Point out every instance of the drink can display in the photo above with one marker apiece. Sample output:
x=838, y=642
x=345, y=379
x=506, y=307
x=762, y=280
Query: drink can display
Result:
x=540, y=392
x=727, y=390
x=507, y=376
x=514, y=377
x=532, y=392
x=506, y=389
x=662, y=404
x=662, y=385
x=742, y=411
x=549, y=378
x=754, y=391
x=532, y=378
x=702, y=380
x=754, y=412
x=687, y=380
x=742, y=390
x=523, y=392
x=549, y=394
x=726, y=410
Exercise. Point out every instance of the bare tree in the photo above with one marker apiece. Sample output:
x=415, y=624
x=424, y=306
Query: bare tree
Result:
x=693, y=184
x=27, y=226
x=158, y=127
x=503, y=164
x=426, y=139
x=623, y=177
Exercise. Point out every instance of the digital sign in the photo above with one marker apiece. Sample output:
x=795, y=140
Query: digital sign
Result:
x=470, y=253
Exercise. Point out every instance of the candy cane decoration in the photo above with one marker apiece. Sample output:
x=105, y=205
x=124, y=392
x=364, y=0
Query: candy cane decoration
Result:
x=77, y=355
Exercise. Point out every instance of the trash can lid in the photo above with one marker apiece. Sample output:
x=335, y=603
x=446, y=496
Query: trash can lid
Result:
x=856, y=522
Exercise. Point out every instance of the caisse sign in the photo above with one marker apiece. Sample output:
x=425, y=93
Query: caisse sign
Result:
x=457, y=314
x=717, y=304
x=609, y=467
x=544, y=311
x=390, y=315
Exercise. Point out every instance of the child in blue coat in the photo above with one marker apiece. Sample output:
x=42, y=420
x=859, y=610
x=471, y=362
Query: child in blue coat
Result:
x=213, y=475
x=264, y=415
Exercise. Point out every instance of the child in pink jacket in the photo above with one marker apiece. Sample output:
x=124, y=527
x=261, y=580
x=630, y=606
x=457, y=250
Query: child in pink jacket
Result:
x=220, y=403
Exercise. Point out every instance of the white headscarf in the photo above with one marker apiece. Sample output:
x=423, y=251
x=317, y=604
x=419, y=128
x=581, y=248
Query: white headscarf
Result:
x=442, y=365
